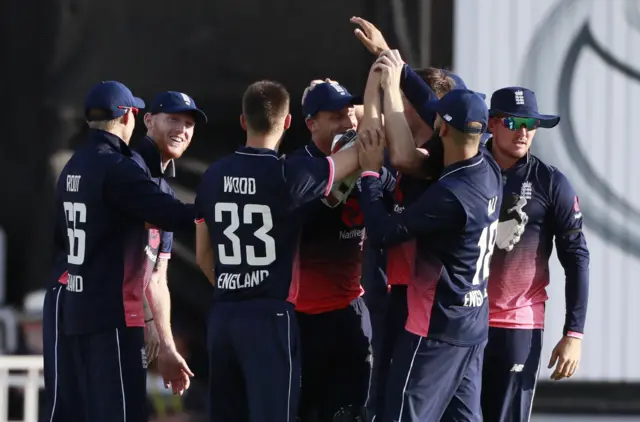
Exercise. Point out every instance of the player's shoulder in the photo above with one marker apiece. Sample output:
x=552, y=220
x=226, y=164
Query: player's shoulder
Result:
x=137, y=158
x=546, y=175
x=300, y=152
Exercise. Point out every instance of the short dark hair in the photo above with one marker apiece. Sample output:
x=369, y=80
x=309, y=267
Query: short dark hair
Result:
x=437, y=79
x=264, y=103
x=98, y=114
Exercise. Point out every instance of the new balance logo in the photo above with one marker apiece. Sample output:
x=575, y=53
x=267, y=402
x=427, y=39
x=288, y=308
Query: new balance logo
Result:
x=143, y=355
x=517, y=368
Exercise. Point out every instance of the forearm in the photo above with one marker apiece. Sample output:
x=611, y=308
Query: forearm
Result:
x=577, y=297
x=401, y=145
x=148, y=314
x=418, y=93
x=205, y=262
x=157, y=294
x=371, y=108
x=574, y=257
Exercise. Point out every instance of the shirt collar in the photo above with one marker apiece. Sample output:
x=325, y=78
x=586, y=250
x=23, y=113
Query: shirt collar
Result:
x=256, y=151
x=151, y=156
x=110, y=139
x=313, y=150
x=476, y=159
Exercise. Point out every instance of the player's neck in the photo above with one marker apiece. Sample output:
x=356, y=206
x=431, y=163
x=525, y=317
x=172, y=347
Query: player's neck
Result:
x=505, y=161
x=119, y=134
x=164, y=160
x=459, y=153
x=263, y=141
x=324, y=147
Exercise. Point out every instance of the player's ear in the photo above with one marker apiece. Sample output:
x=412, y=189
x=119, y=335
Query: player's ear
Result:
x=148, y=118
x=125, y=117
x=309, y=122
x=287, y=122
x=444, y=129
x=243, y=122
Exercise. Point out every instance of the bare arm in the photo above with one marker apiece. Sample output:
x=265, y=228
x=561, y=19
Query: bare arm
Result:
x=346, y=161
x=204, y=251
x=157, y=294
x=402, y=147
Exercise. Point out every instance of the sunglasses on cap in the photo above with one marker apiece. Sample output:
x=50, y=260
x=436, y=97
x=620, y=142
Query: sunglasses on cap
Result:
x=134, y=110
x=516, y=123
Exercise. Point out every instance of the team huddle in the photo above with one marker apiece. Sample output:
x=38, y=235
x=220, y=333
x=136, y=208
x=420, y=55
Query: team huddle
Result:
x=393, y=269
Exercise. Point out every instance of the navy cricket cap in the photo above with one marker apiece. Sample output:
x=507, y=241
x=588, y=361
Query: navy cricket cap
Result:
x=113, y=97
x=460, y=107
x=327, y=96
x=177, y=102
x=520, y=102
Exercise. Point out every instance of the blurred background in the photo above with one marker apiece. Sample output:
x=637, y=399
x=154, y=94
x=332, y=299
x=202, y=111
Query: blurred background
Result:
x=577, y=55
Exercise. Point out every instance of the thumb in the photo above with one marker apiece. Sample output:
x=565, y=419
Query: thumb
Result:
x=554, y=358
x=185, y=368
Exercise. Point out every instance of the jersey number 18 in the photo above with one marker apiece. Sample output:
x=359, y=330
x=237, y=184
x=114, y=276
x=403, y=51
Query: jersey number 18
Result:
x=486, y=243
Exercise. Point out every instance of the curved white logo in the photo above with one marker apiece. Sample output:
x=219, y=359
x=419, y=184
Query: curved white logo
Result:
x=583, y=66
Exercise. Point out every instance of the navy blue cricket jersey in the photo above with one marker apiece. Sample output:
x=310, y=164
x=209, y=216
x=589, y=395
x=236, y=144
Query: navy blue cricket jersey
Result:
x=159, y=242
x=455, y=223
x=250, y=201
x=331, y=250
x=517, y=285
x=106, y=198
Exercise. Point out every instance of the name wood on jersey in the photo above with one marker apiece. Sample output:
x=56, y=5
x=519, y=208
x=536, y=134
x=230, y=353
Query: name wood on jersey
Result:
x=235, y=281
x=241, y=185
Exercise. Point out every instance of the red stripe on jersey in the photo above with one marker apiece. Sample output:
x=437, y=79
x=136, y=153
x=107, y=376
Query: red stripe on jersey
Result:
x=574, y=334
x=64, y=278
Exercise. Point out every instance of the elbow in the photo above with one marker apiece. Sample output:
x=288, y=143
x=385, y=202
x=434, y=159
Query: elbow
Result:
x=402, y=164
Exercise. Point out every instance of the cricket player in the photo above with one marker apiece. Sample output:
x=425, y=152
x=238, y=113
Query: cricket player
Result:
x=540, y=199
x=170, y=126
x=250, y=206
x=334, y=321
x=413, y=177
x=106, y=198
x=437, y=363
